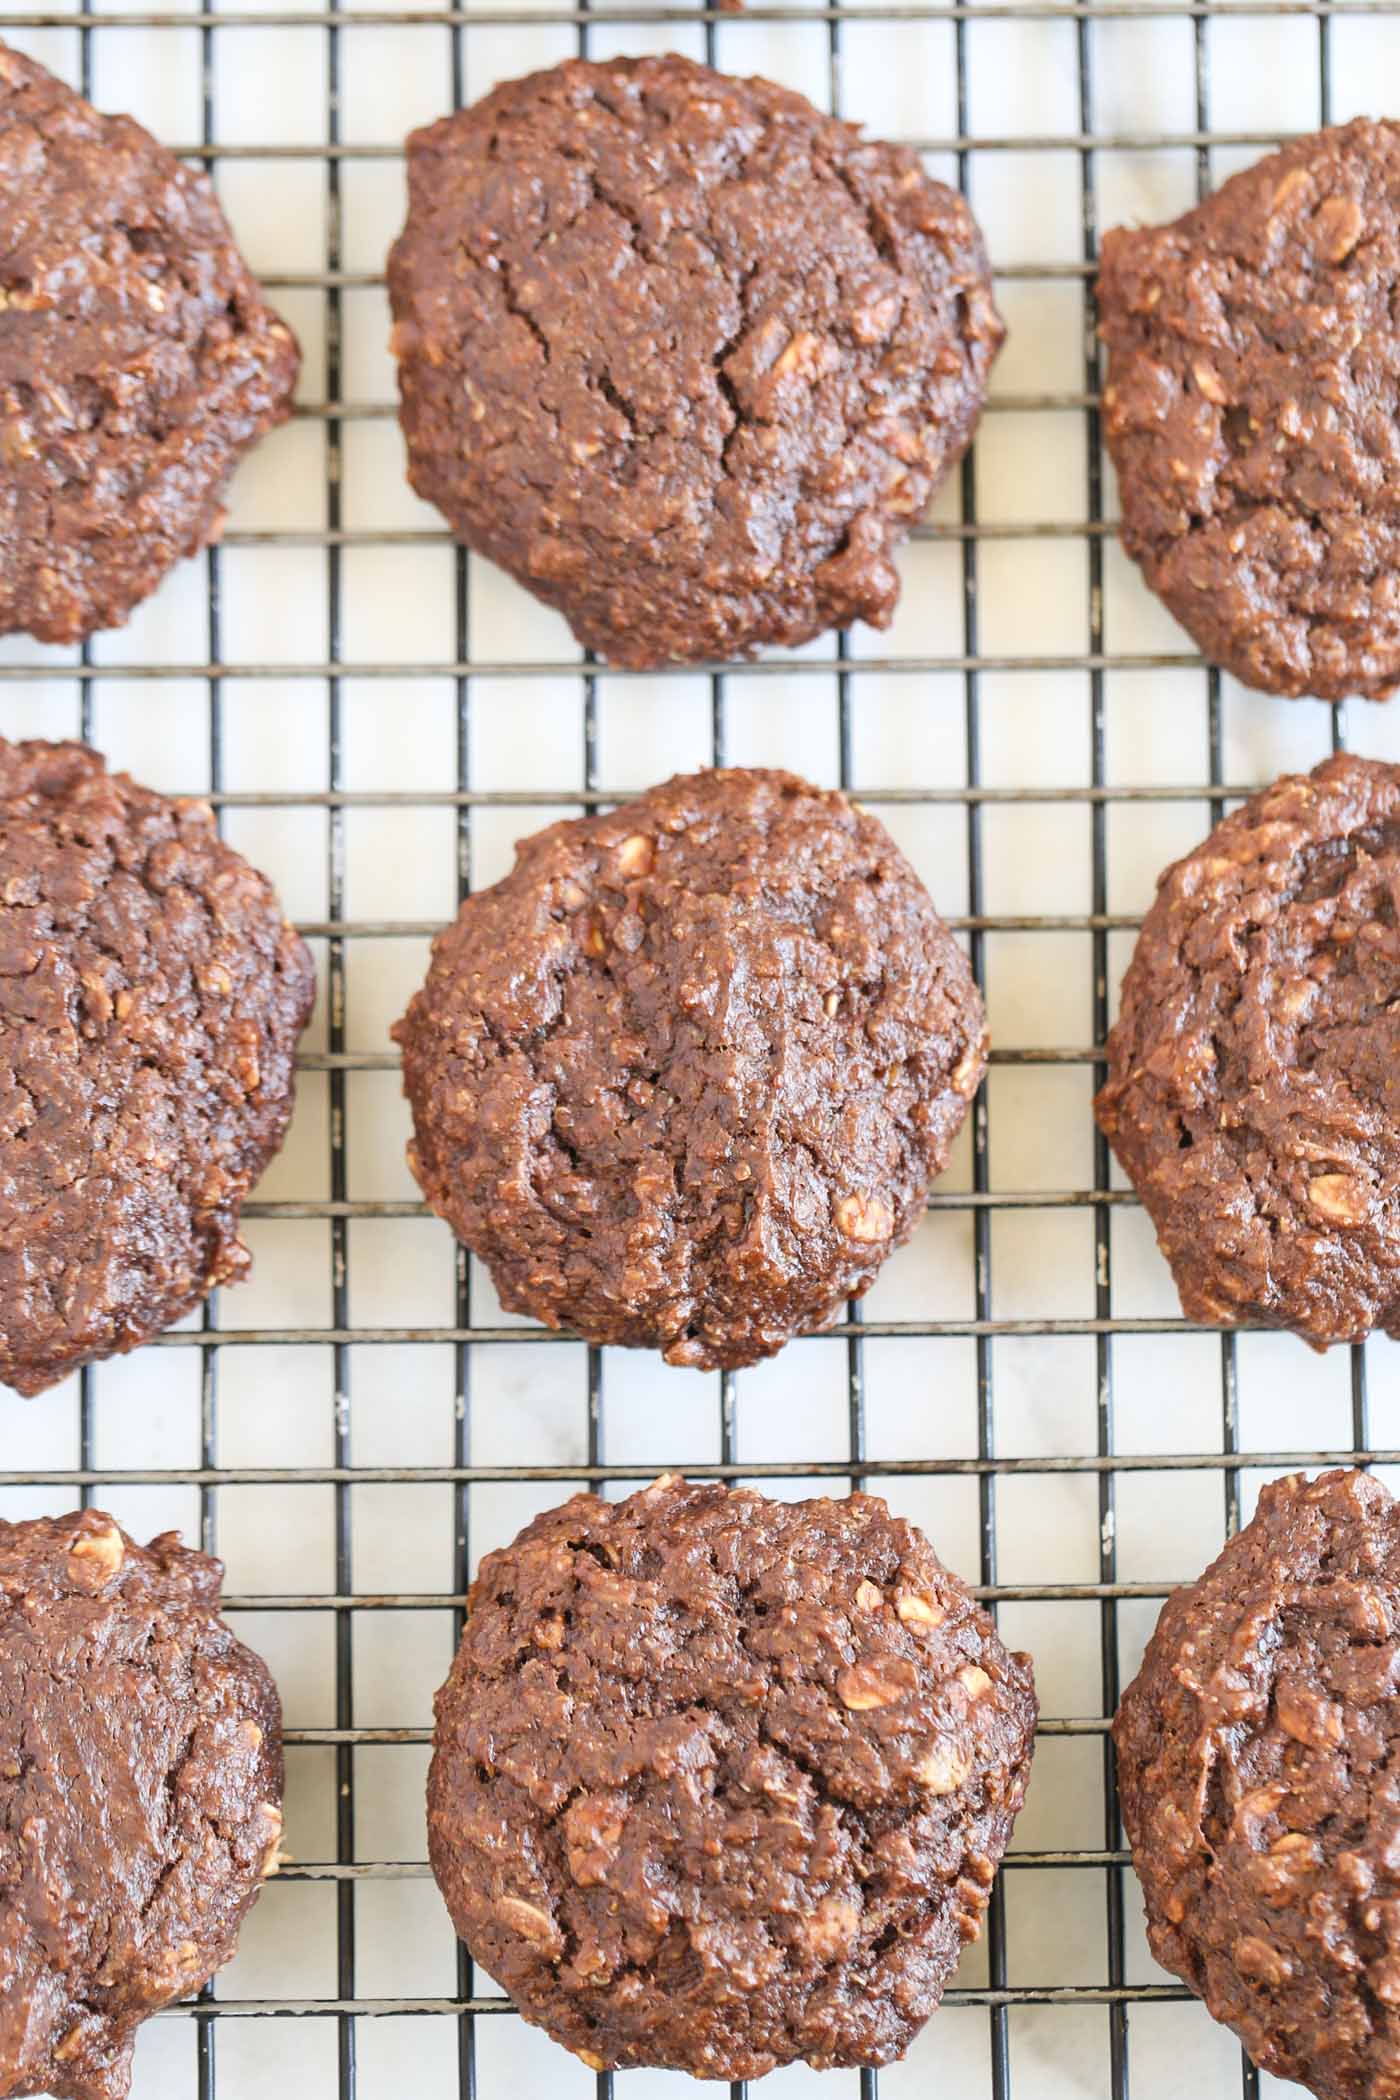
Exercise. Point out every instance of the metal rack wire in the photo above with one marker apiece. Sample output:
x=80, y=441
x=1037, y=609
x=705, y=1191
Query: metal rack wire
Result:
x=975, y=796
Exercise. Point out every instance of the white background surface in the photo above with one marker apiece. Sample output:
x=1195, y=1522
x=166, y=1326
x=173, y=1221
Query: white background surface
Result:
x=528, y=1400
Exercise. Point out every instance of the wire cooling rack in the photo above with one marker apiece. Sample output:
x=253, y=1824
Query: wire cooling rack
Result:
x=374, y=717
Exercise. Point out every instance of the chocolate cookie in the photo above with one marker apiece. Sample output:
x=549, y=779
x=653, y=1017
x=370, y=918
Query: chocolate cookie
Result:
x=138, y=360
x=1257, y=1770
x=151, y=996
x=682, y=354
x=140, y=1794
x=1251, y=1092
x=720, y=1783
x=683, y=1077
x=1254, y=366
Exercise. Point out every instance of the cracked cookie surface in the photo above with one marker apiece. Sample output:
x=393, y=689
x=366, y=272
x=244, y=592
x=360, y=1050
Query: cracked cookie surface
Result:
x=151, y=997
x=1250, y=411
x=1251, y=1094
x=721, y=1783
x=683, y=1077
x=684, y=355
x=140, y=1794
x=138, y=360
x=1257, y=1774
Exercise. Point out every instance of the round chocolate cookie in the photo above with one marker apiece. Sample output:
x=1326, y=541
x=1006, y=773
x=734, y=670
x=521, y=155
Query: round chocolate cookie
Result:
x=1257, y=1760
x=140, y=1794
x=1251, y=1093
x=720, y=1783
x=151, y=996
x=684, y=355
x=1254, y=368
x=683, y=1077
x=138, y=360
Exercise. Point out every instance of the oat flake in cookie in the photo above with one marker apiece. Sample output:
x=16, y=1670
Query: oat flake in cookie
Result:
x=685, y=356
x=151, y=996
x=721, y=1783
x=138, y=360
x=140, y=1794
x=1257, y=1773
x=1250, y=409
x=1251, y=1091
x=682, y=1078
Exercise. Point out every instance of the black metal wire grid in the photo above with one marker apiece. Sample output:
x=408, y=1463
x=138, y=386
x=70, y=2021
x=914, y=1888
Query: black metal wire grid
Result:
x=1105, y=1466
